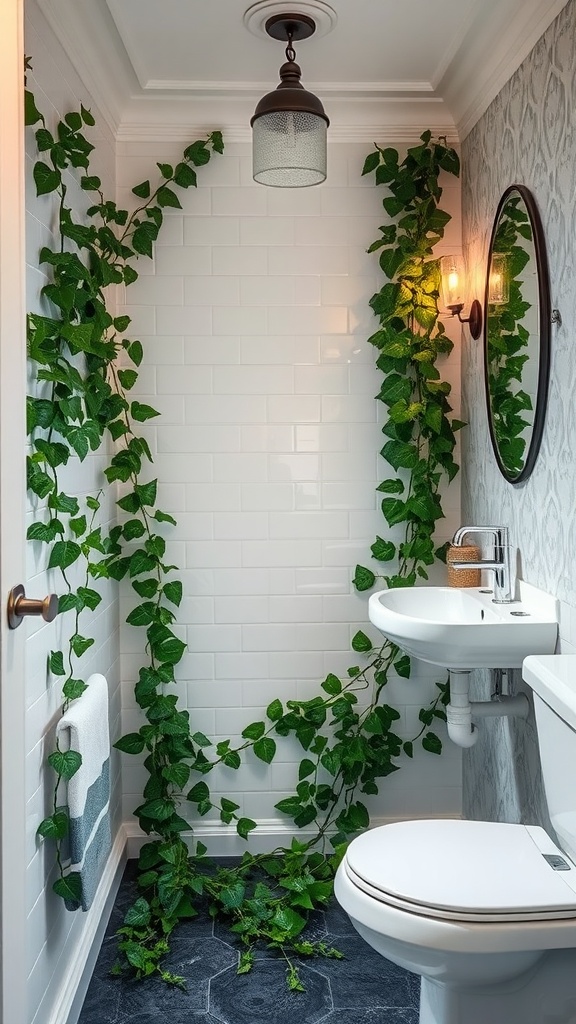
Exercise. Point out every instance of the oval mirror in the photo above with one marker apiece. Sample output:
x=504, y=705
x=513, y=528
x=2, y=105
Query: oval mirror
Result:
x=517, y=333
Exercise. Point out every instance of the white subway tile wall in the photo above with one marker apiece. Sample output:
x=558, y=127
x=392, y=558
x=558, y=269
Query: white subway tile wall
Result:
x=54, y=934
x=255, y=316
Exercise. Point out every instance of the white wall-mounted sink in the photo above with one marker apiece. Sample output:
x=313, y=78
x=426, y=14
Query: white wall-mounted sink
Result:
x=462, y=628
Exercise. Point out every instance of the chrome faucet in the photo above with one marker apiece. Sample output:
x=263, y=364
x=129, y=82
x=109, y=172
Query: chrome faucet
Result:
x=500, y=563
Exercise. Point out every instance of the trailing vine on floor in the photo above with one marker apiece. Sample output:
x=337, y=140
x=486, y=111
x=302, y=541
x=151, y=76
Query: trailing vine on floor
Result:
x=347, y=730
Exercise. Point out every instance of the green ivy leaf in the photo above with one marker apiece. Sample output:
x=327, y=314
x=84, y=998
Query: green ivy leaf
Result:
x=69, y=887
x=80, y=644
x=141, y=562
x=73, y=688
x=244, y=826
x=138, y=915
x=127, y=378
x=394, y=511
x=46, y=179
x=274, y=711
x=177, y=773
x=163, y=517
x=307, y=767
x=364, y=578
x=67, y=603
x=31, y=113
x=54, y=827
x=265, y=749
x=391, y=487
x=141, y=413
x=166, y=646
x=332, y=685
x=90, y=182
x=198, y=793
x=57, y=663
x=142, y=615
x=402, y=666
x=146, y=493
x=65, y=762
x=135, y=352
x=132, y=743
x=167, y=197
x=432, y=743
x=198, y=153
x=146, y=588
x=383, y=550
x=64, y=554
x=142, y=190
x=254, y=731
x=361, y=643
x=133, y=529
x=173, y=592
x=201, y=740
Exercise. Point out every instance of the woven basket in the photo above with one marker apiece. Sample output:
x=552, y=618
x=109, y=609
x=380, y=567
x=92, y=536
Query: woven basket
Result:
x=463, y=577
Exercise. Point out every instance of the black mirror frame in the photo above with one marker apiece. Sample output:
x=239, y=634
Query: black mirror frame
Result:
x=544, y=324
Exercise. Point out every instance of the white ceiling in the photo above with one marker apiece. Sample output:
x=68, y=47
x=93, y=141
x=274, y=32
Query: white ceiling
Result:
x=397, y=63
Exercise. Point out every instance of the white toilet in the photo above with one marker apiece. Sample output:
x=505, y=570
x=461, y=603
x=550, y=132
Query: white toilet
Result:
x=484, y=911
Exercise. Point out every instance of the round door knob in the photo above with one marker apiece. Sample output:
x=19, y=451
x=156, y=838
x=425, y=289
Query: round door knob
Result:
x=19, y=605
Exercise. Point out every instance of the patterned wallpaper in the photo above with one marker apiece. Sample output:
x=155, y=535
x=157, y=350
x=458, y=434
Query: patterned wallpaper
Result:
x=527, y=135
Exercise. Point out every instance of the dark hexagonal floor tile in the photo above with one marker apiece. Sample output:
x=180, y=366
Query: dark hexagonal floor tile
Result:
x=337, y=920
x=364, y=979
x=196, y=960
x=185, y=1017
x=414, y=983
x=102, y=1002
x=380, y=1016
x=262, y=997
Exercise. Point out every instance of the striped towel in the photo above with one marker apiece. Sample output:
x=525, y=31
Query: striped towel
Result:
x=85, y=727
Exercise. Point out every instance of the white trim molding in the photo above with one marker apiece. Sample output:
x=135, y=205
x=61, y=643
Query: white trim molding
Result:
x=223, y=840
x=72, y=992
x=241, y=133
x=493, y=52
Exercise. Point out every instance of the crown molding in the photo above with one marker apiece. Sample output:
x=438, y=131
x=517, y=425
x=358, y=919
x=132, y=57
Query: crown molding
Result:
x=353, y=118
x=493, y=51
x=155, y=131
x=96, y=52
x=254, y=90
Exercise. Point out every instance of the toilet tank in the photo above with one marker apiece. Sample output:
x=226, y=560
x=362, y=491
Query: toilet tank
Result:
x=552, y=679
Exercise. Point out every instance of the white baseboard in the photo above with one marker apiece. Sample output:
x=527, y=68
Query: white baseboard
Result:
x=223, y=840
x=75, y=983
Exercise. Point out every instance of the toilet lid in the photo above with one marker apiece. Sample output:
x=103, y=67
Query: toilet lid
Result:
x=474, y=870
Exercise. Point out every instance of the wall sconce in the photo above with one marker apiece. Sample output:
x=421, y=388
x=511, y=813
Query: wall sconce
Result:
x=498, y=290
x=452, y=270
x=289, y=125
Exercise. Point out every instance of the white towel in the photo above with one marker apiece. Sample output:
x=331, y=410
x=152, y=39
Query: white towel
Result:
x=87, y=729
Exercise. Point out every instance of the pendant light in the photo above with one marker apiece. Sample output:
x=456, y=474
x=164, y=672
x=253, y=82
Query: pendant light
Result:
x=289, y=125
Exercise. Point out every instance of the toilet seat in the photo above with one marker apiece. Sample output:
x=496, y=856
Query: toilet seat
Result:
x=464, y=871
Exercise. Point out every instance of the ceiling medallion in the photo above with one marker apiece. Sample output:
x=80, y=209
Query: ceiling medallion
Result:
x=260, y=13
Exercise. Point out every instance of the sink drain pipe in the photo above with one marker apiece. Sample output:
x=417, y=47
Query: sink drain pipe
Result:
x=461, y=710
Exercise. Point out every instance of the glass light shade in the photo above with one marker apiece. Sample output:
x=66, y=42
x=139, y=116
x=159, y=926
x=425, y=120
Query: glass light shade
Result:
x=498, y=290
x=289, y=149
x=452, y=269
x=289, y=134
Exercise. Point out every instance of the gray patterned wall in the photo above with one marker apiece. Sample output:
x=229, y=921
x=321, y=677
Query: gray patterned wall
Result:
x=527, y=135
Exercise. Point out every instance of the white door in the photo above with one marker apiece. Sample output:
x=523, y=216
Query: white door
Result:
x=12, y=505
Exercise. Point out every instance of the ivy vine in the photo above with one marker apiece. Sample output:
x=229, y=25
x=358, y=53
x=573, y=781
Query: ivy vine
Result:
x=347, y=730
